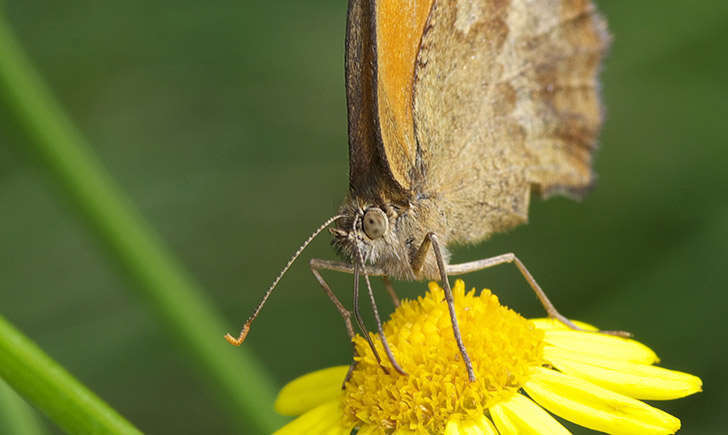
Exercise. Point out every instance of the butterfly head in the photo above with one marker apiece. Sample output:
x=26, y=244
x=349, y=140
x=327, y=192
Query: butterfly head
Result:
x=366, y=233
x=385, y=235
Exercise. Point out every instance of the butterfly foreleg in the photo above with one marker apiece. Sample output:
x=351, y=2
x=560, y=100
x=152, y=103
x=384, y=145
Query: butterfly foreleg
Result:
x=317, y=264
x=418, y=261
x=390, y=290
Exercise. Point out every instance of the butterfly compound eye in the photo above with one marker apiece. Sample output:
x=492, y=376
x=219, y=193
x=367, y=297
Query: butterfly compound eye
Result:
x=375, y=223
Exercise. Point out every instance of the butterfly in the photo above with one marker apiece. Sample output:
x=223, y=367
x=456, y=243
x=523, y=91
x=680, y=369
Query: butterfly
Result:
x=457, y=111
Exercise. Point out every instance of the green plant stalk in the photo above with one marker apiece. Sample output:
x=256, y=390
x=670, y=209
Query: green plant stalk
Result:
x=16, y=416
x=175, y=299
x=52, y=389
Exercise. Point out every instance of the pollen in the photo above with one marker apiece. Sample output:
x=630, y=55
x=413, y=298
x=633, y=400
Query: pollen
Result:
x=502, y=345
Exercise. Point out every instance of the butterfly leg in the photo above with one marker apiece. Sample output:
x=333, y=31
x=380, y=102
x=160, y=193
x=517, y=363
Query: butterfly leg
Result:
x=382, y=337
x=346, y=314
x=317, y=264
x=417, y=262
x=390, y=290
x=472, y=266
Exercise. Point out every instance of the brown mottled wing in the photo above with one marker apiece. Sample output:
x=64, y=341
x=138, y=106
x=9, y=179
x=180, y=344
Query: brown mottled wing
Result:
x=506, y=99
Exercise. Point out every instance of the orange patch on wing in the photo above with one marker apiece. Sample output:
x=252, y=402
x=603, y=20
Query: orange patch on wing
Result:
x=400, y=24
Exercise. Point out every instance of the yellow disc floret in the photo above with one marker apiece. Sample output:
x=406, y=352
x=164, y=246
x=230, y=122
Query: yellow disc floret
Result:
x=502, y=346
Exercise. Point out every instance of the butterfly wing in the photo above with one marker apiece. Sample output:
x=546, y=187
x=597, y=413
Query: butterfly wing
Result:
x=365, y=159
x=506, y=99
x=383, y=39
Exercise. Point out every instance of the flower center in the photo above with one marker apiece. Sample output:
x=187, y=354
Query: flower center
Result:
x=501, y=344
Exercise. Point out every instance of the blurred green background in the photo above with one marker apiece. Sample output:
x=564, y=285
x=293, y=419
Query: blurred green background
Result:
x=226, y=126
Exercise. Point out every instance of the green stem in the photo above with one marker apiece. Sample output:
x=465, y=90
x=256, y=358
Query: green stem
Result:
x=52, y=389
x=173, y=296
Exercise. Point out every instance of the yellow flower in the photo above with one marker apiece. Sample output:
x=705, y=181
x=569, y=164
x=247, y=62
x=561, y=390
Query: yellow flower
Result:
x=591, y=379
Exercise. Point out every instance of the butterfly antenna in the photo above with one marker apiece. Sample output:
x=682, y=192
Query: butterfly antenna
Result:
x=246, y=327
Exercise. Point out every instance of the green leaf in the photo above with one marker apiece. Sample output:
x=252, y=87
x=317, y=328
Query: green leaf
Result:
x=52, y=389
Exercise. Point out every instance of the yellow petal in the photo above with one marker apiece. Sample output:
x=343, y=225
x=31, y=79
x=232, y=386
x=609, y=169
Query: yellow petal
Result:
x=594, y=407
x=453, y=428
x=486, y=426
x=470, y=427
x=479, y=426
x=323, y=419
x=519, y=415
x=640, y=381
x=549, y=323
x=310, y=390
x=600, y=345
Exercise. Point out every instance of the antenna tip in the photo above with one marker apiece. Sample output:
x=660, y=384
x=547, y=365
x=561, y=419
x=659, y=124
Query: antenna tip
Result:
x=238, y=341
